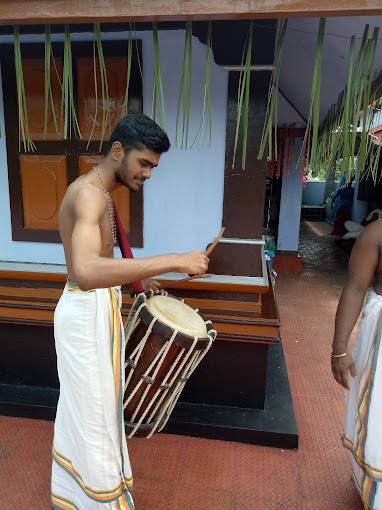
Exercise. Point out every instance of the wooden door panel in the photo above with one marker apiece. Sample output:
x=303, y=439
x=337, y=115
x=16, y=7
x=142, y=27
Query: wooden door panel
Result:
x=90, y=109
x=38, y=180
x=34, y=83
x=121, y=196
x=44, y=182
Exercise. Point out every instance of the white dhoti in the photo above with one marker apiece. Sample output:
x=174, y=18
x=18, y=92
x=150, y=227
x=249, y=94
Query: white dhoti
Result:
x=91, y=468
x=363, y=415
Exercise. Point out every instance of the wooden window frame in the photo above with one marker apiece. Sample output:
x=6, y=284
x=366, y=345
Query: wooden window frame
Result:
x=72, y=149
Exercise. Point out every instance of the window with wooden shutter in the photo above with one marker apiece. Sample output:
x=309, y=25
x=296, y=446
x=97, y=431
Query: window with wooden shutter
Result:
x=38, y=180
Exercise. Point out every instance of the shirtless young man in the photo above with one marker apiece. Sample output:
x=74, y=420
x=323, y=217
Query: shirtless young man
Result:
x=91, y=468
x=363, y=415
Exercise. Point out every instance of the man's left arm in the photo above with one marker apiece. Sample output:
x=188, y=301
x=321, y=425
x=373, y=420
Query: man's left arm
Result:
x=362, y=266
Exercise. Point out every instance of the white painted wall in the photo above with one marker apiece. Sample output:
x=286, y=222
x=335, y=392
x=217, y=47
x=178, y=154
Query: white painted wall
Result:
x=183, y=201
x=314, y=193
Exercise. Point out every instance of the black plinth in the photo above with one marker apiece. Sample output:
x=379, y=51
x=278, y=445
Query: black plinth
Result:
x=240, y=392
x=232, y=374
x=275, y=425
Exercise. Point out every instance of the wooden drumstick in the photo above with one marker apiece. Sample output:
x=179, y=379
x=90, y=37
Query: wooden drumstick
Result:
x=171, y=284
x=212, y=246
x=194, y=276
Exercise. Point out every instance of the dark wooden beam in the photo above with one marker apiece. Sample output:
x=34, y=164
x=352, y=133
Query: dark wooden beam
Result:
x=91, y=11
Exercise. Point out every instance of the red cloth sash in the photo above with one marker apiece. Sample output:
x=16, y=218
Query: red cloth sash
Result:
x=125, y=247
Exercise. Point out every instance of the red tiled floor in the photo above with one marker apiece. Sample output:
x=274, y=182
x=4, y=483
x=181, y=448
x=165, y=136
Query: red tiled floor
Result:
x=325, y=480
x=183, y=473
x=210, y=466
x=152, y=494
x=164, y=465
x=185, y=498
x=260, y=466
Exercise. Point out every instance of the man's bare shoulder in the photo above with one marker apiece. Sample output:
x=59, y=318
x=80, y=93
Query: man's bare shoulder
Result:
x=370, y=239
x=373, y=230
x=82, y=196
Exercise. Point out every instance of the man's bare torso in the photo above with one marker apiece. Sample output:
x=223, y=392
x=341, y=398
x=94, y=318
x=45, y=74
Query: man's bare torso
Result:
x=378, y=274
x=375, y=241
x=67, y=218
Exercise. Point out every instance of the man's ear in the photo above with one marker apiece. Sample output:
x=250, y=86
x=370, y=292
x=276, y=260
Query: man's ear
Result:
x=117, y=151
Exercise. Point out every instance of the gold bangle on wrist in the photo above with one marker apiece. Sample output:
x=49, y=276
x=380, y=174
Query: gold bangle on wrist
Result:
x=338, y=355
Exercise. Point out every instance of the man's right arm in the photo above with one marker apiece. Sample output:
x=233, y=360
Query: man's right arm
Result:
x=91, y=270
x=363, y=263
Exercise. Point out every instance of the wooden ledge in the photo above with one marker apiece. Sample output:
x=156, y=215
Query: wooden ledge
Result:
x=97, y=11
x=32, y=276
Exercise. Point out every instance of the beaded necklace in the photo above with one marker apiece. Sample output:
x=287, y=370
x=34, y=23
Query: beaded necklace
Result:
x=111, y=208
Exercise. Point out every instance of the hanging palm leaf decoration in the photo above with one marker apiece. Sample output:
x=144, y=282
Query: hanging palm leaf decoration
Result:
x=243, y=95
x=350, y=107
x=271, y=114
x=206, y=87
x=372, y=152
x=100, y=63
x=129, y=57
x=328, y=136
x=367, y=96
x=68, y=111
x=21, y=99
x=185, y=88
x=97, y=49
x=95, y=86
x=338, y=131
x=314, y=106
x=48, y=87
x=158, y=100
x=104, y=86
x=137, y=51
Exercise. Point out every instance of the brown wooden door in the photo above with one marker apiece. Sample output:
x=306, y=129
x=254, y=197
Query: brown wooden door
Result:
x=38, y=180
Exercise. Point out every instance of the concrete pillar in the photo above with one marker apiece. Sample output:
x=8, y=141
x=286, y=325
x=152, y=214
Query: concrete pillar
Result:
x=290, y=207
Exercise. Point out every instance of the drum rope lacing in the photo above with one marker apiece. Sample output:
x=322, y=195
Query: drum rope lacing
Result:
x=191, y=360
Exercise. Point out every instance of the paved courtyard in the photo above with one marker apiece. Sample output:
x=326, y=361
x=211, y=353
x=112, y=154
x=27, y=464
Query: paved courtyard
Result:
x=183, y=473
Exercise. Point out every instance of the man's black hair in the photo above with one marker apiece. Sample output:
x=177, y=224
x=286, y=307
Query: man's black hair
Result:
x=138, y=131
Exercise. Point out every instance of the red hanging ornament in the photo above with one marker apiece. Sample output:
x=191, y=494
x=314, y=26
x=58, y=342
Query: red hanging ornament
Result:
x=280, y=154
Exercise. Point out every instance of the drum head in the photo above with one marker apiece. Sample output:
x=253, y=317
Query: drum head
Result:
x=177, y=315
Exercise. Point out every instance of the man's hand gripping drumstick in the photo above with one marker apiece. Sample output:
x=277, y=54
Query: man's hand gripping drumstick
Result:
x=192, y=260
x=198, y=275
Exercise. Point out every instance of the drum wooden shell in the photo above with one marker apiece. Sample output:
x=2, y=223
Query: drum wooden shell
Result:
x=175, y=356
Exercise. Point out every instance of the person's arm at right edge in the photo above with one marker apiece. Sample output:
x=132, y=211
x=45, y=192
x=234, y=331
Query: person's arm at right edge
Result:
x=93, y=271
x=362, y=266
